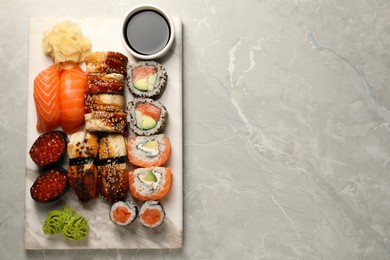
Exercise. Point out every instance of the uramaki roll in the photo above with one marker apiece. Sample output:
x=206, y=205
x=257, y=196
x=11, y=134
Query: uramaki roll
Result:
x=150, y=183
x=148, y=151
x=147, y=116
x=147, y=79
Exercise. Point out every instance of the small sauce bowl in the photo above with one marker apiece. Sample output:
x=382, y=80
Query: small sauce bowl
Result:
x=147, y=32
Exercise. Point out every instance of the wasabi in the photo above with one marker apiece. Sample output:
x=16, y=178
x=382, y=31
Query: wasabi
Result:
x=66, y=221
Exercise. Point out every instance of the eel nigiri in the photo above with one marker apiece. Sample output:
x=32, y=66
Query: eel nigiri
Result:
x=113, y=183
x=72, y=89
x=82, y=172
x=47, y=99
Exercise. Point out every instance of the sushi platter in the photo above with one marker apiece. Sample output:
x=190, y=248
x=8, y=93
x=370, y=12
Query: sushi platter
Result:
x=99, y=218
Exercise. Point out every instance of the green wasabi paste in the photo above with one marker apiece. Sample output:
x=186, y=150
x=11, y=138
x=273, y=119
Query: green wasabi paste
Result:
x=76, y=228
x=66, y=221
x=67, y=214
x=53, y=223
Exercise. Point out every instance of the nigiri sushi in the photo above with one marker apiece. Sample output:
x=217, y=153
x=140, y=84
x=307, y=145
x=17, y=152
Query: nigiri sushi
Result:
x=104, y=102
x=72, y=89
x=47, y=99
x=105, y=83
x=148, y=151
x=113, y=184
x=102, y=121
x=82, y=172
x=150, y=183
x=106, y=62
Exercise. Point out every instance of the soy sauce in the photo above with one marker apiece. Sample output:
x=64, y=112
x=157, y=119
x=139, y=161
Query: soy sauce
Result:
x=147, y=32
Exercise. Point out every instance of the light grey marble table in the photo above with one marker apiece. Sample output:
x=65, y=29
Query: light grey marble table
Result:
x=286, y=119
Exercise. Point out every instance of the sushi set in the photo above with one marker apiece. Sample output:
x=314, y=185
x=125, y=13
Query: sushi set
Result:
x=104, y=150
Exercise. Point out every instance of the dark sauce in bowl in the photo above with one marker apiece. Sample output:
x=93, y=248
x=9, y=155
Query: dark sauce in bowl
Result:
x=147, y=32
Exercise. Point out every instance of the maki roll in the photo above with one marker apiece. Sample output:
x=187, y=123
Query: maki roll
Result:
x=150, y=183
x=49, y=149
x=151, y=214
x=147, y=79
x=123, y=213
x=148, y=151
x=147, y=117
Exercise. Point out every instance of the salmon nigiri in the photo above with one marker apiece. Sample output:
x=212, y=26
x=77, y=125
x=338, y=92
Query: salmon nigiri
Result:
x=72, y=88
x=47, y=99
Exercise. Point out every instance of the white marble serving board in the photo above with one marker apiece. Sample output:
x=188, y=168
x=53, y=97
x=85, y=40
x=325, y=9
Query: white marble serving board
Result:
x=104, y=32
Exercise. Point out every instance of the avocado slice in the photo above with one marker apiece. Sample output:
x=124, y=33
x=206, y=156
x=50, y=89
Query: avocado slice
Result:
x=148, y=123
x=149, y=176
x=145, y=84
x=144, y=122
x=152, y=145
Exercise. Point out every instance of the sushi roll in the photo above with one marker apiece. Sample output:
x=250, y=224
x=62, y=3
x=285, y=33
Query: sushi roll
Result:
x=123, y=213
x=150, y=183
x=147, y=79
x=147, y=117
x=148, y=151
x=151, y=214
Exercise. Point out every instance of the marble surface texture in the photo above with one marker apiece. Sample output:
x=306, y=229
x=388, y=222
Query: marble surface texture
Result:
x=286, y=128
